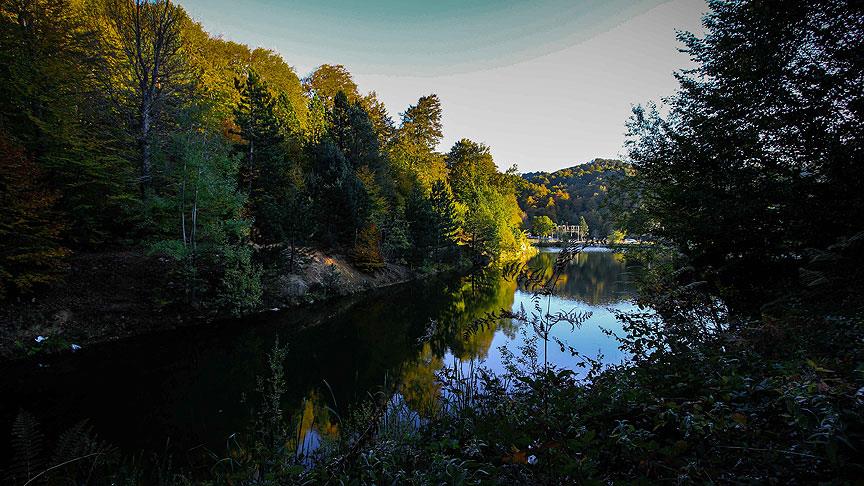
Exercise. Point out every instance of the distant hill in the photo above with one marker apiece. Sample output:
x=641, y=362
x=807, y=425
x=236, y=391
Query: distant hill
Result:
x=567, y=194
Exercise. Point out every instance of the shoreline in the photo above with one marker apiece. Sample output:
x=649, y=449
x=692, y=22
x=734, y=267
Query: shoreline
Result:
x=115, y=296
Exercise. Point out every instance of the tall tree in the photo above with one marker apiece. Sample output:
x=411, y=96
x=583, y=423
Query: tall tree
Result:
x=492, y=215
x=328, y=80
x=542, y=226
x=413, y=146
x=265, y=171
x=378, y=116
x=471, y=168
x=445, y=216
x=583, y=227
x=149, y=68
x=762, y=143
x=421, y=224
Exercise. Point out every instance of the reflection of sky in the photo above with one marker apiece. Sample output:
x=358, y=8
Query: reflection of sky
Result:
x=599, y=268
x=588, y=340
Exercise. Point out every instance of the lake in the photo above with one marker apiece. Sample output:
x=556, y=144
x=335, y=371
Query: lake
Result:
x=198, y=386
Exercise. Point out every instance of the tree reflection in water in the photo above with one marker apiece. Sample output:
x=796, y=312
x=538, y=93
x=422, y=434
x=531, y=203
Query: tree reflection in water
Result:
x=594, y=281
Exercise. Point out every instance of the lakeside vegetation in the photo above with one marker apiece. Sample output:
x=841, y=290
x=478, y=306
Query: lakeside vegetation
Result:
x=746, y=352
x=125, y=128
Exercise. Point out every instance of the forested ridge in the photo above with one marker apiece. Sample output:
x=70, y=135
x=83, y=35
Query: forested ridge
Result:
x=567, y=196
x=125, y=126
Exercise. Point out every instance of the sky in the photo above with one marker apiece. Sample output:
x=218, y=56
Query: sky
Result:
x=546, y=84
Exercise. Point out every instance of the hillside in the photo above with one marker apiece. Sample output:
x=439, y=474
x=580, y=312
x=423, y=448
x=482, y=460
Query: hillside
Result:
x=567, y=194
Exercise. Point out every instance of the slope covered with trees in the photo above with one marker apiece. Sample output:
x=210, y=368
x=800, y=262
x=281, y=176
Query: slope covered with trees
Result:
x=125, y=126
x=569, y=196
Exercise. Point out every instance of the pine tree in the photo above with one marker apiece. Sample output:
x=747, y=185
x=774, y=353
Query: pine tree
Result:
x=583, y=228
x=421, y=224
x=265, y=172
x=444, y=216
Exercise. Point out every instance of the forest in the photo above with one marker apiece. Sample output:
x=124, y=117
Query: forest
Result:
x=126, y=129
x=569, y=196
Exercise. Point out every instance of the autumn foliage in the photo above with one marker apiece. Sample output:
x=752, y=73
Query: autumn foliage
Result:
x=30, y=253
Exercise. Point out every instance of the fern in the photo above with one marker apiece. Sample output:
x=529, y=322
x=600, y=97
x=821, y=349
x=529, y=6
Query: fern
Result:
x=27, y=440
x=80, y=441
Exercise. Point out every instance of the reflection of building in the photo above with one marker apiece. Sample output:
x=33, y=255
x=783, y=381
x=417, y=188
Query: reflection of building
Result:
x=568, y=231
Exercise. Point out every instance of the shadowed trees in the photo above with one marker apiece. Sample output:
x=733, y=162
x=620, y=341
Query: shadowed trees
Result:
x=758, y=158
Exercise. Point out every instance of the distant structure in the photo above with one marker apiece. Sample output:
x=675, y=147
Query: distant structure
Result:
x=568, y=231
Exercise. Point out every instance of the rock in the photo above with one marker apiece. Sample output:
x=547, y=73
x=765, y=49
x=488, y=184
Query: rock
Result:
x=292, y=286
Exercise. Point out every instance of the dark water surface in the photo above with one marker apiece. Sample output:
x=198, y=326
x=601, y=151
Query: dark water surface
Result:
x=197, y=386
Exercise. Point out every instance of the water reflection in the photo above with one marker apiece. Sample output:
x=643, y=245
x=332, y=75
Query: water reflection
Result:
x=198, y=386
x=596, y=282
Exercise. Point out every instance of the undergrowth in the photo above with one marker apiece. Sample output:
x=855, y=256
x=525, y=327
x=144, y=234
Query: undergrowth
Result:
x=706, y=396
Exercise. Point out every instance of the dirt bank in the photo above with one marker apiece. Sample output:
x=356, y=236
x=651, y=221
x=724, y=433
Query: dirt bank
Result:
x=109, y=296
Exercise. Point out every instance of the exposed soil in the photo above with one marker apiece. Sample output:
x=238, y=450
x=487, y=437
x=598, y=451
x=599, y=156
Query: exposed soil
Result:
x=109, y=296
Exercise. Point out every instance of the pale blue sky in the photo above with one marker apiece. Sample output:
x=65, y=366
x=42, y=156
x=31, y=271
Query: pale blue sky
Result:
x=544, y=83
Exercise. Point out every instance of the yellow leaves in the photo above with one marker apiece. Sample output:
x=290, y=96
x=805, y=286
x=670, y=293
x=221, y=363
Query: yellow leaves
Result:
x=515, y=457
x=817, y=367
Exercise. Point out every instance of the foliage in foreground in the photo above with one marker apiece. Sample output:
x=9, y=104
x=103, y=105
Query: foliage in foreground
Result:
x=700, y=401
x=703, y=398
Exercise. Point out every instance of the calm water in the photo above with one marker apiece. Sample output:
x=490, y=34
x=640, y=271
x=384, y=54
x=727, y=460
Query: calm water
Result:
x=198, y=386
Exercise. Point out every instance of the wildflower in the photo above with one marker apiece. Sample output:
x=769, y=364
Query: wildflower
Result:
x=75, y=347
x=532, y=459
x=39, y=339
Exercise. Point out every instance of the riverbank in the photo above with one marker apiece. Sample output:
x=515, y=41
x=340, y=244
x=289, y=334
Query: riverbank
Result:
x=116, y=295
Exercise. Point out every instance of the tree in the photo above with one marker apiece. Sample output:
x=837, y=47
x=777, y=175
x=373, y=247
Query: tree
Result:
x=492, y=215
x=31, y=255
x=422, y=122
x=378, y=116
x=367, y=250
x=743, y=187
x=583, y=228
x=266, y=175
x=337, y=195
x=354, y=134
x=328, y=80
x=444, y=216
x=421, y=224
x=413, y=145
x=471, y=168
x=542, y=226
x=616, y=237
x=149, y=68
